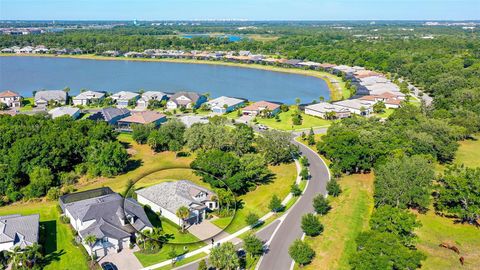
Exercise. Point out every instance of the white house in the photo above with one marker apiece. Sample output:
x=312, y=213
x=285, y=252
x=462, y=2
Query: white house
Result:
x=88, y=97
x=44, y=98
x=12, y=99
x=62, y=111
x=257, y=107
x=142, y=103
x=18, y=230
x=166, y=198
x=323, y=109
x=224, y=104
x=356, y=106
x=186, y=99
x=124, y=97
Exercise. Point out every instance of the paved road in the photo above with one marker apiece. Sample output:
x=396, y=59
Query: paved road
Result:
x=277, y=258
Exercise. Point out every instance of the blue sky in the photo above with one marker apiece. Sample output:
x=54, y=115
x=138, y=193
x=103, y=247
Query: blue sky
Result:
x=240, y=9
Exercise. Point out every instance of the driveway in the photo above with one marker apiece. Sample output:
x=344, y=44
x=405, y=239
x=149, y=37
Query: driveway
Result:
x=206, y=230
x=124, y=260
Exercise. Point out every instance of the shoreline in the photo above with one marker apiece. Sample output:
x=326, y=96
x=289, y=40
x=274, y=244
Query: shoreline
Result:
x=336, y=93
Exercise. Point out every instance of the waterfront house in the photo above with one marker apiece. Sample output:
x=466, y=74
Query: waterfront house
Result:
x=389, y=99
x=143, y=102
x=88, y=97
x=62, y=111
x=12, y=99
x=110, y=115
x=111, y=53
x=40, y=49
x=187, y=100
x=166, y=198
x=125, y=98
x=113, y=220
x=356, y=106
x=7, y=50
x=45, y=98
x=224, y=104
x=142, y=118
x=260, y=106
x=26, y=49
x=326, y=110
x=18, y=231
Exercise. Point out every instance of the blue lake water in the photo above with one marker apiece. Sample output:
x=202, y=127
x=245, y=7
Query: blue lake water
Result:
x=27, y=74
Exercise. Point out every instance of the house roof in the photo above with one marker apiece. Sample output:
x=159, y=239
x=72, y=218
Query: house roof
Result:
x=261, y=105
x=145, y=117
x=48, y=95
x=61, y=111
x=173, y=195
x=124, y=95
x=89, y=95
x=223, y=100
x=324, y=107
x=156, y=95
x=110, y=113
x=109, y=211
x=192, y=96
x=354, y=104
x=8, y=93
x=21, y=230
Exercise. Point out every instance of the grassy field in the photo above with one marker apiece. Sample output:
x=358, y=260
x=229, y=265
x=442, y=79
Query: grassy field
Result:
x=286, y=121
x=184, y=261
x=469, y=152
x=153, y=258
x=257, y=201
x=349, y=216
x=59, y=250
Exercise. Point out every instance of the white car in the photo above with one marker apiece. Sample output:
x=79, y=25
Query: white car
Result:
x=262, y=127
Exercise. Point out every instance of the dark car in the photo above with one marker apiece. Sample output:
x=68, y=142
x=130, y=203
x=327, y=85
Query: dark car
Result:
x=109, y=266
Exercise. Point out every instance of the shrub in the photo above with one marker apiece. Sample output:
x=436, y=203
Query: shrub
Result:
x=53, y=194
x=321, y=205
x=304, y=174
x=64, y=219
x=295, y=190
x=311, y=226
x=301, y=252
x=252, y=219
x=275, y=204
x=333, y=188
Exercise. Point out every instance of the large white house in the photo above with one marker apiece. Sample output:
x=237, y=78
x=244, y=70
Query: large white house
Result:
x=142, y=103
x=224, y=104
x=325, y=109
x=88, y=97
x=187, y=100
x=12, y=99
x=123, y=98
x=356, y=106
x=18, y=230
x=166, y=198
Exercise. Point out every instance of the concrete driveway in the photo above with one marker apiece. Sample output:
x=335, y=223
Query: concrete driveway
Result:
x=124, y=260
x=204, y=230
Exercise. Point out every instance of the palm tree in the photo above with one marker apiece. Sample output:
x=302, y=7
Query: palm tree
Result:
x=32, y=254
x=183, y=213
x=90, y=240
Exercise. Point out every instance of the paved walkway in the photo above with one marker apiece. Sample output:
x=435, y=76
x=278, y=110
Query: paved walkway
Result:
x=204, y=230
x=124, y=260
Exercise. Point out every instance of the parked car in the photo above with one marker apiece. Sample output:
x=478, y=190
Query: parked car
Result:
x=262, y=127
x=109, y=266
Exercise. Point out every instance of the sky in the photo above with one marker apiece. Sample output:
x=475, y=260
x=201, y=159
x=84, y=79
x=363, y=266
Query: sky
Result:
x=240, y=9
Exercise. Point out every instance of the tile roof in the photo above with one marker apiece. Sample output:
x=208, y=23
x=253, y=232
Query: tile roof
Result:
x=325, y=107
x=223, y=100
x=61, y=111
x=261, y=105
x=48, y=95
x=124, y=95
x=192, y=96
x=21, y=230
x=8, y=93
x=145, y=117
x=89, y=95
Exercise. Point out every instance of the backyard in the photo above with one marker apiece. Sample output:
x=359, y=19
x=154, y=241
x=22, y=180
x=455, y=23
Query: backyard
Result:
x=286, y=124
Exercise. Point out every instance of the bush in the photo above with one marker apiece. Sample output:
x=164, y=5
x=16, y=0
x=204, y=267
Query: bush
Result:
x=304, y=174
x=311, y=226
x=64, y=219
x=321, y=205
x=53, y=194
x=301, y=252
x=252, y=219
x=295, y=190
x=275, y=204
x=333, y=188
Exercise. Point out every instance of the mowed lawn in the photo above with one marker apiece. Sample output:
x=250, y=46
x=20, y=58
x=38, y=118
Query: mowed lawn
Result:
x=287, y=125
x=59, y=250
x=257, y=201
x=349, y=216
x=469, y=152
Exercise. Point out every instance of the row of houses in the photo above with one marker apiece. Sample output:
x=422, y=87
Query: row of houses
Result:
x=40, y=49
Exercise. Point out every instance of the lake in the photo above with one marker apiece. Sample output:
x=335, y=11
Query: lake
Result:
x=27, y=74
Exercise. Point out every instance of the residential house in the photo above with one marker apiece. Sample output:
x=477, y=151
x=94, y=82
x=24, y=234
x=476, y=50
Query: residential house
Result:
x=356, y=106
x=257, y=107
x=225, y=104
x=18, y=231
x=12, y=99
x=326, y=110
x=390, y=100
x=124, y=98
x=166, y=198
x=62, y=111
x=111, y=53
x=88, y=97
x=110, y=115
x=186, y=99
x=44, y=98
x=7, y=50
x=143, y=102
x=40, y=49
x=26, y=49
x=113, y=220
x=142, y=118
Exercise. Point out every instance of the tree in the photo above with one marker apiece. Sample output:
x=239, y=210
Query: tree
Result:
x=140, y=133
x=333, y=188
x=295, y=190
x=396, y=221
x=40, y=181
x=107, y=159
x=207, y=137
x=301, y=252
x=311, y=137
x=304, y=174
x=253, y=245
x=252, y=219
x=275, y=204
x=3, y=106
x=202, y=265
x=379, y=107
x=183, y=213
x=321, y=205
x=311, y=226
x=276, y=147
x=377, y=250
x=224, y=257
x=404, y=182
x=459, y=193
x=90, y=240
x=169, y=137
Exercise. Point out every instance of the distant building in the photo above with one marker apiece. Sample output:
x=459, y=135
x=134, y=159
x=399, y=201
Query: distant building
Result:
x=62, y=111
x=224, y=104
x=44, y=98
x=12, y=99
x=257, y=107
x=110, y=115
x=188, y=100
x=88, y=97
x=18, y=231
x=142, y=118
x=123, y=98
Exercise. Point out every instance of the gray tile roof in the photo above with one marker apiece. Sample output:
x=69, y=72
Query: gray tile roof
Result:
x=61, y=111
x=192, y=96
x=173, y=195
x=89, y=95
x=21, y=230
x=47, y=95
x=109, y=211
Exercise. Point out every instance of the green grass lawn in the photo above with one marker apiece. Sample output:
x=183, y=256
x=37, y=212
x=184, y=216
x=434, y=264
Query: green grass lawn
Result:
x=59, y=250
x=27, y=104
x=287, y=125
x=349, y=216
x=163, y=254
x=385, y=114
x=184, y=261
x=469, y=152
